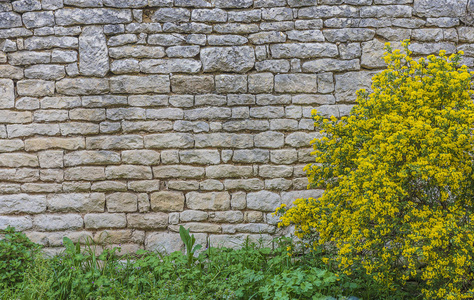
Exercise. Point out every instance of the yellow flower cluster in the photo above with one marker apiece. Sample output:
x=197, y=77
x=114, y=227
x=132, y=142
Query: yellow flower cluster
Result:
x=398, y=174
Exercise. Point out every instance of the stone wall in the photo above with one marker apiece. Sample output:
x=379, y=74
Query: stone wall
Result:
x=136, y=116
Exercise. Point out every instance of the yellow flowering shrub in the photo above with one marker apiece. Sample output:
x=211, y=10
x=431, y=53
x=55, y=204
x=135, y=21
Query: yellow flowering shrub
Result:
x=398, y=175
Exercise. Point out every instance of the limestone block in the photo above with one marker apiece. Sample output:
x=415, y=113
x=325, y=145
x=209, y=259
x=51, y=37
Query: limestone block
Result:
x=20, y=223
x=22, y=203
x=331, y=65
x=105, y=220
x=443, y=8
x=228, y=59
x=296, y=83
x=141, y=157
x=172, y=65
x=115, y=142
x=306, y=50
x=263, y=201
x=208, y=201
x=251, y=156
x=82, y=86
x=7, y=93
x=260, y=83
x=163, y=242
x=122, y=202
x=201, y=157
x=35, y=88
x=269, y=139
x=192, y=84
x=156, y=220
x=193, y=216
x=75, y=16
x=50, y=222
x=178, y=171
x=16, y=160
x=76, y=202
x=128, y=172
x=140, y=84
x=227, y=217
x=109, y=186
x=169, y=140
x=167, y=201
x=248, y=228
x=229, y=171
x=51, y=159
x=144, y=185
x=10, y=20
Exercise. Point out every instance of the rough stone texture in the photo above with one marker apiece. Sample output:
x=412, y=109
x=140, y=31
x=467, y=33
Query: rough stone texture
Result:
x=93, y=52
x=228, y=59
x=136, y=116
x=167, y=201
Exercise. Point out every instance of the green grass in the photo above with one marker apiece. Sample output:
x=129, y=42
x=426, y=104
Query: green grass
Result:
x=252, y=272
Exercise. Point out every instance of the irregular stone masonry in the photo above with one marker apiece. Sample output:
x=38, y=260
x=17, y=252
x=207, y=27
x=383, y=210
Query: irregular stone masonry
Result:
x=136, y=116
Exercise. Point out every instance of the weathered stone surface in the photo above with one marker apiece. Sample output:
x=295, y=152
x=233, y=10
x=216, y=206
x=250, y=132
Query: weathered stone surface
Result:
x=224, y=140
x=21, y=223
x=67, y=17
x=147, y=221
x=227, y=217
x=115, y=142
x=347, y=84
x=193, y=216
x=38, y=19
x=233, y=3
x=58, y=222
x=42, y=43
x=442, y=8
x=251, y=156
x=45, y=72
x=201, y=157
x=178, y=171
x=136, y=51
x=122, y=202
x=296, y=83
x=226, y=40
x=16, y=160
x=330, y=64
x=228, y=59
x=192, y=84
x=22, y=203
x=229, y=171
x=93, y=52
x=10, y=20
x=164, y=242
x=82, y=86
x=372, y=54
x=35, y=144
x=35, y=88
x=107, y=186
x=7, y=94
x=249, y=228
x=28, y=57
x=171, y=15
x=98, y=221
x=208, y=201
x=307, y=50
x=164, y=66
x=76, y=202
x=128, y=172
x=175, y=140
x=167, y=201
x=140, y=84
x=263, y=201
